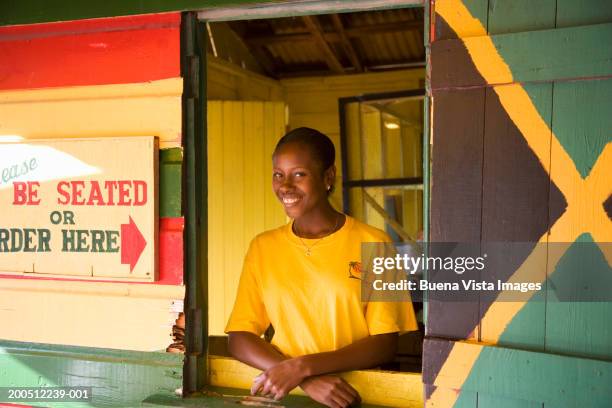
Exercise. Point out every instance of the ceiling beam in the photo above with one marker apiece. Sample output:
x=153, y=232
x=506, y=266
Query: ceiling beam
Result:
x=350, y=32
x=346, y=43
x=330, y=57
x=259, y=52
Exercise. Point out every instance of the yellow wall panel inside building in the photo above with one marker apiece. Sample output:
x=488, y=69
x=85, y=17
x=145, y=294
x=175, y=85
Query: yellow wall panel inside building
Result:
x=241, y=139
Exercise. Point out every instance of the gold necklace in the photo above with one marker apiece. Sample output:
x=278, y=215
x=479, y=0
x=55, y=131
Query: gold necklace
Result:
x=309, y=248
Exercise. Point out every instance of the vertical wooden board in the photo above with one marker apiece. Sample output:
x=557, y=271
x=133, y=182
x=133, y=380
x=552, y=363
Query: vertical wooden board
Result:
x=233, y=195
x=216, y=233
x=371, y=140
x=412, y=147
x=412, y=211
x=280, y=128
x=354, y=157
x=456, y=194
x=571, y=13
x=512, y=16
x=353, y=141
x=582, y=121
x=274, y=129
x=575, y=325
x=256, y=180
x=170, y=182
x=581, y=125
x=248, y=176
x=514, y=209
x=392, y=163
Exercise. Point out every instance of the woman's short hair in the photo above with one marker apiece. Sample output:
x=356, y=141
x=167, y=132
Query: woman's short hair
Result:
x=321, y=146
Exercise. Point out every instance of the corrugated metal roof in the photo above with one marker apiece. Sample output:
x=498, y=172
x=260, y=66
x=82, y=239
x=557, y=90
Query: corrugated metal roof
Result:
x=375, y=39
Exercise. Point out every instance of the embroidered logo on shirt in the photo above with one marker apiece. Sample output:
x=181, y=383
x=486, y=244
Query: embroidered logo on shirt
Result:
x=354, y=270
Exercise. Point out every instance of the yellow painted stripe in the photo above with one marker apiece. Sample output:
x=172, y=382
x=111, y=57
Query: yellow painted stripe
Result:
x=372, y=385
x=142, y=109
x=459, y=18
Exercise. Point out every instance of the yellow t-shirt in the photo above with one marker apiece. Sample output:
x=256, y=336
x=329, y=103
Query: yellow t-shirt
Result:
x=311, y=302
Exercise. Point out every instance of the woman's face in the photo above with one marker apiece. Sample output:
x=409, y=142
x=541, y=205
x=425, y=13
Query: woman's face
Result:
x=298, y=179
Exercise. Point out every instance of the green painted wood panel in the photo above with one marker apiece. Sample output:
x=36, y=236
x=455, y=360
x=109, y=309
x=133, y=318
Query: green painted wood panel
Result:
x=544, y=55
x=224, y=397
x=559, y=380
x=511, y=16
x=580, y=327
x=119, y=378
x=492, y=401
x=583, y=12
x=582, y=120
x=567, y=53
x=170, y=182
x=39, y=11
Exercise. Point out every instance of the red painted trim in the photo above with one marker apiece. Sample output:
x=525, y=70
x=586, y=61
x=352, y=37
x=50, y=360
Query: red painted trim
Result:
x=90, y=52
x=146, y=21
x=170, y=257
x=171, y=250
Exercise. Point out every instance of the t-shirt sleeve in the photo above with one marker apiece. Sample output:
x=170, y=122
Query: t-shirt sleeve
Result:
x=394, y=315
x=249, y=313
x=390, y=317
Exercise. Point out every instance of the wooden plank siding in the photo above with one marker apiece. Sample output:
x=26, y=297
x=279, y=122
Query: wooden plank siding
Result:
x=241, y=138
x=539, y=144
x=113, y=77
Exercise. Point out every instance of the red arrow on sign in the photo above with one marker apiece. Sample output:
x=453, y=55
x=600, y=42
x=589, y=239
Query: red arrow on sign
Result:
x=132, y=244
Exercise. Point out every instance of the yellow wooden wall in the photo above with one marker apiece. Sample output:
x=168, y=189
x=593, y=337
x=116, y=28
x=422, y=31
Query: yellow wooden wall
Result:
x=109, y=315
x=241, y=138
x=227, y=81
x=138, y=109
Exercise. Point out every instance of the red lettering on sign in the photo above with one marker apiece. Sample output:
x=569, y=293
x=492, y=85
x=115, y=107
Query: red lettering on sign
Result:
x=25, y=193
x=77, y=190
x=140, y=192
x=110, y=185
x=124, y=192
x=95, y=194
x=65, y=194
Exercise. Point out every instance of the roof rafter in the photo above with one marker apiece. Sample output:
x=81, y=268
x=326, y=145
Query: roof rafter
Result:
x=330, y=57
x=346, y=43
x=350, y=32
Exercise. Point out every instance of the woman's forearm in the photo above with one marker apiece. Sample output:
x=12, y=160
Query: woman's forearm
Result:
x=365, y=353
x=253, y=350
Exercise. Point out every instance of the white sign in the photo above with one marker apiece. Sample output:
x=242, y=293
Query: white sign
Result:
x=83, y=208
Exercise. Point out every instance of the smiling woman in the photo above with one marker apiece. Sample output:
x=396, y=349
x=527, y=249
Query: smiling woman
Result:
x=295, y=279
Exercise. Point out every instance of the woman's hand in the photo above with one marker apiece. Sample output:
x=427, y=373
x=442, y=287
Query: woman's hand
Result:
x=331, y=391
x=279, y=380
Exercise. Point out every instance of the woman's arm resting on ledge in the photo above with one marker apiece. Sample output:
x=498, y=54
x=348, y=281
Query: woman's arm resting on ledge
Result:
x=282, y=377
x=253, y=350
